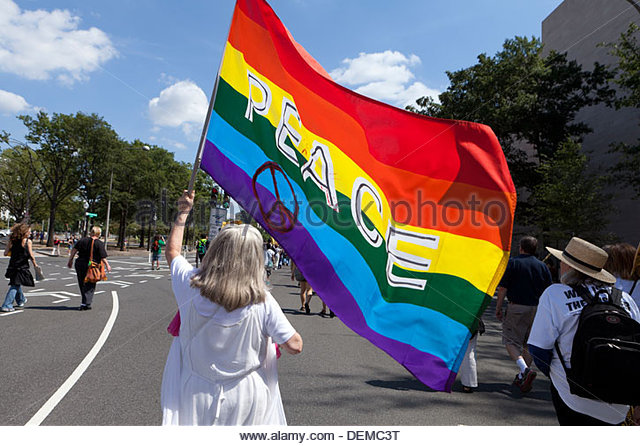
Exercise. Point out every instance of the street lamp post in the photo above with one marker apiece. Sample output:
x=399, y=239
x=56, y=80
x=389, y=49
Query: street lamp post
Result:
x=106, y=230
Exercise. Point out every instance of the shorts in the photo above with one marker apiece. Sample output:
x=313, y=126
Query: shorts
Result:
x=517, y=324
x=155, y=256
x=298, y=276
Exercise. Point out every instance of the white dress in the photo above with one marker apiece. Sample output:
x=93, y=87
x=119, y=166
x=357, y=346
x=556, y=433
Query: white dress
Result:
x=222, y=369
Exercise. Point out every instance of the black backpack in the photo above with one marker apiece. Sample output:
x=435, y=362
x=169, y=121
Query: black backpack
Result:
x=605, y=356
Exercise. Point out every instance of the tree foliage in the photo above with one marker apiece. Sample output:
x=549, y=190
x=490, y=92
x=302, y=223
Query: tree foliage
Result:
x=19, y=193
x=529, y=100
x=69, y=165
x=569, y=200
x=54, y=162
x=626, y=172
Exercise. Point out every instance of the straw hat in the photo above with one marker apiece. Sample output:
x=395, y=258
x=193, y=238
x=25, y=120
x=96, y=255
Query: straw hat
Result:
x=585, y=257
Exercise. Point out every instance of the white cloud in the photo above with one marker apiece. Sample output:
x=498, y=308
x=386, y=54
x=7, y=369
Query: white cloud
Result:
x=385, y=76
x=12, y=104
x=40, y=44
x=183, y=105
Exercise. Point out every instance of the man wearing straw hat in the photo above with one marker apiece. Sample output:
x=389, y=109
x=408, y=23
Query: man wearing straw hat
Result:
x=557, y=320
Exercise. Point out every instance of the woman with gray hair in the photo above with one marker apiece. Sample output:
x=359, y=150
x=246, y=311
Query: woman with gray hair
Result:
x=555, y=325
x=221, y=369
x=88, y=249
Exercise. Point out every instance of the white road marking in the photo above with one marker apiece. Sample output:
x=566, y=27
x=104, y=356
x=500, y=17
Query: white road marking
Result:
x=52, y=402
x=154, y=276
x=143, y=281
x=121, y=283
x=54, y=274
x=11, y=313
x=61, y=300
x=129, y=263
x=71, y=284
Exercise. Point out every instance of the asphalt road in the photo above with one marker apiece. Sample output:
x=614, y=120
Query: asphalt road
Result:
x=339, y=379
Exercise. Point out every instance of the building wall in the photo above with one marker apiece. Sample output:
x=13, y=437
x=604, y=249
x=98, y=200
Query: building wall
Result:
x=577, y=27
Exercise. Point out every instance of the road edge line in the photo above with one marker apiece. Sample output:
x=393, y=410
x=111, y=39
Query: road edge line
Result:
x=52, y=402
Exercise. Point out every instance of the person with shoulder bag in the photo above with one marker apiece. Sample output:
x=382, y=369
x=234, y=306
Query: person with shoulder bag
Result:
x=586, y=338
x=90, y=265
x=18, y=273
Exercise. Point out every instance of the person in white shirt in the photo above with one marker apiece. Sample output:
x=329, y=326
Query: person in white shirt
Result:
x=221, y=369
x=557, y=320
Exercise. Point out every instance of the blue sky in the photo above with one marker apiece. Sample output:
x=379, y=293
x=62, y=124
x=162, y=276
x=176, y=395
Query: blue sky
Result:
x=148, y=67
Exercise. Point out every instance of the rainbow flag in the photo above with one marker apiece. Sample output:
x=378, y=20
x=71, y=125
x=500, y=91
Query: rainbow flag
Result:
x=401, y=223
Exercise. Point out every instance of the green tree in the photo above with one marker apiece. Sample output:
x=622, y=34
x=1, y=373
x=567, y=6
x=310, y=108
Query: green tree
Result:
x=526, y=98
x=55, y=161
x=569, y=200
x=99, y=148
x=626, y=172
x=19, y=193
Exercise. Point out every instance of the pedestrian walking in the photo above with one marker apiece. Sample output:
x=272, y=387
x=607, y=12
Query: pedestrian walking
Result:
x=269, y=253
x=224, y=371
x=468, y=368
x=556, y=325
x=88, y=248
x=20, y=249
x=202, y=244
x=55, y=251
x=156, y=250
x=523, y=282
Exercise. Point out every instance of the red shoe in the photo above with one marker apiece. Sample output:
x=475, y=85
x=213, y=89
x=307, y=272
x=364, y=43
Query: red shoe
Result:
x=527, y=380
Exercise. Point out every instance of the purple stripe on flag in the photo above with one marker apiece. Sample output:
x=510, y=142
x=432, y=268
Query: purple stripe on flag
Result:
x=428, y=368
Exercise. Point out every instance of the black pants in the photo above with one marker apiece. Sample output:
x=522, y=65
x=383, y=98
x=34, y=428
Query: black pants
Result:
x=569, y=417
x=86, y=288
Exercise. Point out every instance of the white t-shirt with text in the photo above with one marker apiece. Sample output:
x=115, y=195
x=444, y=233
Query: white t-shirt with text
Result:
x=557, y=320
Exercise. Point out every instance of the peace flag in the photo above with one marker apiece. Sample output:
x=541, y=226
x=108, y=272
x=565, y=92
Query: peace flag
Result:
x=401, y=223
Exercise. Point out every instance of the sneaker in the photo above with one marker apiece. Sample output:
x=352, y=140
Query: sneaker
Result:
x=22, y=304
x=527, y=380
x=7, y=310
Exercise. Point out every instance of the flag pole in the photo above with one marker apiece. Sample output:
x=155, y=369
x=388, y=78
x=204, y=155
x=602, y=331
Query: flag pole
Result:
x=203, y=136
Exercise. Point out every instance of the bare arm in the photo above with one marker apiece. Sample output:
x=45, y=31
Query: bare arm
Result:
x=31, y=256
x=72, y=254
x=106, y=263
x=294, y=345
x=174, y=244
x=502, y=292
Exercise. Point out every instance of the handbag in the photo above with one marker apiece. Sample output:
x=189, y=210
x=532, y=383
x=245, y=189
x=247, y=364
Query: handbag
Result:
x=96, y=271
x=39, y=273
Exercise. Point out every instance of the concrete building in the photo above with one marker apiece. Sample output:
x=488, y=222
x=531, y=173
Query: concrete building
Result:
x=578, y=27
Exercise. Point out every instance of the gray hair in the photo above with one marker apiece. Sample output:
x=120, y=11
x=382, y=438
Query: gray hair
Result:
x=573, y=277
x=232, y=271
x=96, y=231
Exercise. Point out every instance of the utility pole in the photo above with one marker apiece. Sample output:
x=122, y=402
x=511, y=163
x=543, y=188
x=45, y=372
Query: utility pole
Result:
x=106, y=231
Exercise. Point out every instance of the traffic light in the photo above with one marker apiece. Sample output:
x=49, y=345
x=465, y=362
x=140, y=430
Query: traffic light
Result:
x=225, y=201
x=214, y=194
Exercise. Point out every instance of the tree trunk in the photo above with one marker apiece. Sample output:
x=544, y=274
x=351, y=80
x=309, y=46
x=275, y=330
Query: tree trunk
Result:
x=141, y=235
x=123, y=229
x=52, y=222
